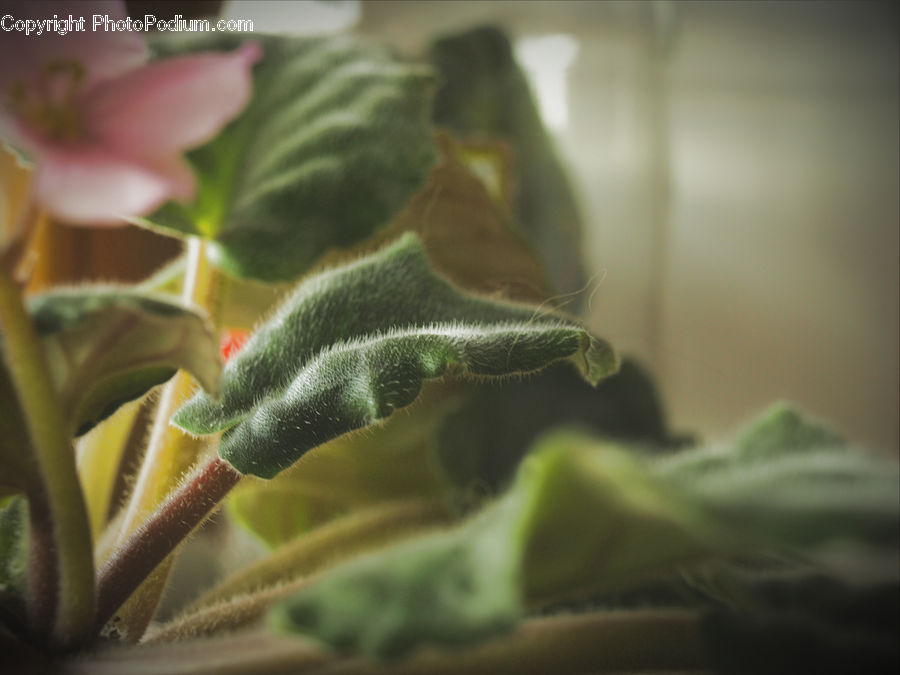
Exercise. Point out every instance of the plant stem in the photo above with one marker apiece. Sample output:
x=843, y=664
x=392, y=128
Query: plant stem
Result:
x=170, y=452
x=56, y=463
x=42, y=570
x=160, y=534
x=237, y=613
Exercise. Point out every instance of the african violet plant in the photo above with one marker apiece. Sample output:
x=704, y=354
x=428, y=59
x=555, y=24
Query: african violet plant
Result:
x=369, y=431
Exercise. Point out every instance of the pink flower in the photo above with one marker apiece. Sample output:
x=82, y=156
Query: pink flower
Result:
x=105, y=128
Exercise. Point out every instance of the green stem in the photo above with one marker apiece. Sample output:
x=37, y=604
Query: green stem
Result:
x=56, y=463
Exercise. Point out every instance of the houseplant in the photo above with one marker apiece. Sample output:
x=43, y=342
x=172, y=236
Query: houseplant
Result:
x=359, y=431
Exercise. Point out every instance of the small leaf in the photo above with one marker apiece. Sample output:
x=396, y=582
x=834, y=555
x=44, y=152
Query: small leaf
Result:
x=107, y=345
x=345, y=350
x=334, y=141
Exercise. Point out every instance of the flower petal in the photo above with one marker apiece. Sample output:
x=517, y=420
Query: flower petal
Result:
x=173, y=104
x=96, y=187
x=104, y=54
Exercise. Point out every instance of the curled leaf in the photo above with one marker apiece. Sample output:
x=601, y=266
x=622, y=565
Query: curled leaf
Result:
x=385, y=463
x=352, y=345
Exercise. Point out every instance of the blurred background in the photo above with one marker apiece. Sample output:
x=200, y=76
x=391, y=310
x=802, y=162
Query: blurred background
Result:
x=735, y=166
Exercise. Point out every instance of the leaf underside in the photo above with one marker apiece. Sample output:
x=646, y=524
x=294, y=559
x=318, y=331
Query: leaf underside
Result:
x=346, y=350
x=108, y=345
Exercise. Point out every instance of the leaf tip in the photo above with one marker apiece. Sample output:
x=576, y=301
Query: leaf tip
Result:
x=599, y=359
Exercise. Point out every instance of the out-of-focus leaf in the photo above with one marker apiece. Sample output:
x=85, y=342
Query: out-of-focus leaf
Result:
x=108, y=345
x=352, y=345
x=99, y=456
x=467, y=583
x=385, y=463
x=584, y=517
x=790, y=481
x=241, y=303
x=333, y=142
x=482, y=443
x=449, y=588
x=484, y=94
x=469, y=237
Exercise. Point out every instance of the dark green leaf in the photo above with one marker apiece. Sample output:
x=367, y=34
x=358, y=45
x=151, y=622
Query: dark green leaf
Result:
x=388, y=462
x=108, y=345
x=482, y=443
x=352, y=345
x=335, y=139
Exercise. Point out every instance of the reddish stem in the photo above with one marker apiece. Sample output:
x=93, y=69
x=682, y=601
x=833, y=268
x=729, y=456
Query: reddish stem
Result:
x=42, y=571
x=155, y=539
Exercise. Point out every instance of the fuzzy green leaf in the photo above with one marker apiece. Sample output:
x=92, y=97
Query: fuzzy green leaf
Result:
x=584, y=517
x=388, y=462
x=469, y=583
x=347, y=349
x=790, y=481
x=108, y=345
x=449, y=588
x=334, y=141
